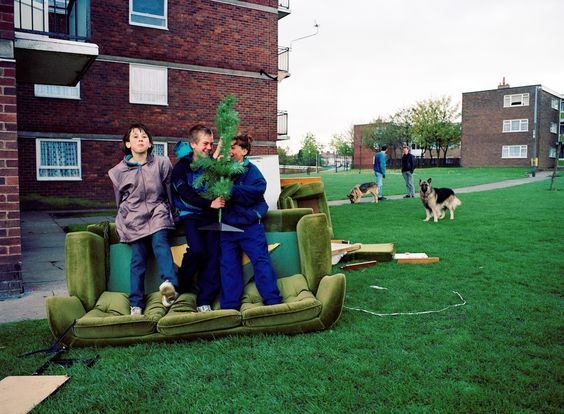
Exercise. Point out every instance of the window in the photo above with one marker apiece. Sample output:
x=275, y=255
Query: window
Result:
x=58, y=159
x=554, y=103
x=149, y=13
x=554, y=127
x=514, y=151
x=519, y=99
x=160, y=148
x=54, y=91
x=148, y=85
x=515, y=125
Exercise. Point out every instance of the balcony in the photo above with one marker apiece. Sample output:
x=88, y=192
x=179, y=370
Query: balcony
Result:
x=283, y=63
x=283, y=8
x=51, y=41
x=282, y=126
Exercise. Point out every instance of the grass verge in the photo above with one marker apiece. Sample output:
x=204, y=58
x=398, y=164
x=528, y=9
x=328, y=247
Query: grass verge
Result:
x=501, y=352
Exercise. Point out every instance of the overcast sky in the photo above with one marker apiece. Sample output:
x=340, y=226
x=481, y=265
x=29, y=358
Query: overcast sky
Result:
x=375, y=57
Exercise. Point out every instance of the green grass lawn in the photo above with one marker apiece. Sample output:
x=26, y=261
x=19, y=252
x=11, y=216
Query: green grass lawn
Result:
x=338, y=185
x=501, y=352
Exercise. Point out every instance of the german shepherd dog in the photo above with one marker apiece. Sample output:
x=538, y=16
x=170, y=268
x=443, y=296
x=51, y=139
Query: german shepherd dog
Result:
x=360, y=190
x=437, y=200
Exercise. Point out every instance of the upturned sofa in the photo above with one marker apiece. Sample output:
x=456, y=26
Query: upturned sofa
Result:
x=98, y=300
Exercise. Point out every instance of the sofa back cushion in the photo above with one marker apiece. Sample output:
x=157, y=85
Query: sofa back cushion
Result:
x=280, y=226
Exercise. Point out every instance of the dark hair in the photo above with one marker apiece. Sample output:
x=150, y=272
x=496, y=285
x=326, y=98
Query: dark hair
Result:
x=128, y=133
x=196, y=130
x=244, y=141
x=384, y=148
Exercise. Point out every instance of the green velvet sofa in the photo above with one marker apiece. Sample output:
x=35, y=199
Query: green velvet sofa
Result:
x=99, y=307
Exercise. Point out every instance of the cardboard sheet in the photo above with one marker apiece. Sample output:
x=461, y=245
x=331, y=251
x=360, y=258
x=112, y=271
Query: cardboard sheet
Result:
x=19, y=394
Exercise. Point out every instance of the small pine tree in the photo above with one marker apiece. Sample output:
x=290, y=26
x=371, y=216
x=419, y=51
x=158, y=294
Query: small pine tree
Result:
x=217, y=176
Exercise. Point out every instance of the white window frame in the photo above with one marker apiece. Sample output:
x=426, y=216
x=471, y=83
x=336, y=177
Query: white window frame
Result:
x=56, y=91
x=159, y=144
x=40, y=167
x=554, y=103
x=517, y=99
x=506, y=151
x=142, y=87
x=554, y=127
x=164, y=18
x=515, y=125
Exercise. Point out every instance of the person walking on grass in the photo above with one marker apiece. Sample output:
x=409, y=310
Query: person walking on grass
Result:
x=380, y=170
x=407, y=167
x=141, y=184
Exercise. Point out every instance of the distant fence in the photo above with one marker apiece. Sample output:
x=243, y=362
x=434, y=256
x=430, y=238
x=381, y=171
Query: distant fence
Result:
x=427, y=162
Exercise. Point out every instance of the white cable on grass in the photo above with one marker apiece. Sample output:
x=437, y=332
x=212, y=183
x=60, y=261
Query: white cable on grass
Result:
x=411, y=313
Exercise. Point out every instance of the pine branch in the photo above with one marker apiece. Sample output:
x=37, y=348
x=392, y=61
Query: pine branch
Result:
x=217, y=174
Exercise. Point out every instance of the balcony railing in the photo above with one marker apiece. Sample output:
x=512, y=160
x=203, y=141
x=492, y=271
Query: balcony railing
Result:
x=284, y=59
x=282, y=123
x=283, y=8
x=61, y=19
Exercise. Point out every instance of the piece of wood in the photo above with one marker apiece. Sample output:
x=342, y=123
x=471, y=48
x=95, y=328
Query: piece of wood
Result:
x=360, y=265
x=301, y=180
x=424, y=260
x=19, y=394
x=337, y=248
x=410, y=256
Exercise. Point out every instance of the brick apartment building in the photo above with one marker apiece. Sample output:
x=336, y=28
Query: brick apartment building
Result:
x=75, y=74
x=509, y=126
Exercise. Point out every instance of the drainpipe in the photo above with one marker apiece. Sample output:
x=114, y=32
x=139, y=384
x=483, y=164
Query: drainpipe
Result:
x=534, y=160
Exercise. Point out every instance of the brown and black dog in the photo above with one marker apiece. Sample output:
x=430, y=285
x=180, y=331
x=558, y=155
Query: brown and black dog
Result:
x=437, y=200
x=360, y=190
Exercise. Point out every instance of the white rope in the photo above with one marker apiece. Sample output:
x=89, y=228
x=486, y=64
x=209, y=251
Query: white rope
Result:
x=411, y=313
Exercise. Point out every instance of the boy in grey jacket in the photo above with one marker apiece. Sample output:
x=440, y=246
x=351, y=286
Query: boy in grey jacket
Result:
x=142, y=189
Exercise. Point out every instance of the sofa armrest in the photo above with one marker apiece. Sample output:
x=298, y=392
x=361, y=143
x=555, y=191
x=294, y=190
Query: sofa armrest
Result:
x=331, y=293
x=314, y=244
x=61, y=312
x=86, y=275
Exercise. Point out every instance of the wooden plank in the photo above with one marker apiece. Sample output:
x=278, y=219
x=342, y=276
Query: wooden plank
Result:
x=301, y=180
x=360, y=265
x=337, y=248
x=424, y=260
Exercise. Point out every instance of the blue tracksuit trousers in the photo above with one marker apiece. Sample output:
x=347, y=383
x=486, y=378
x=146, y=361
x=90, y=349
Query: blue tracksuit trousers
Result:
x=253, y=242
x=202, y=257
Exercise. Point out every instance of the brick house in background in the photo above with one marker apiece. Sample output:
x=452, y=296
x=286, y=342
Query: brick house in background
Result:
x=166, y=63
x=363, y=155
x=509, y=126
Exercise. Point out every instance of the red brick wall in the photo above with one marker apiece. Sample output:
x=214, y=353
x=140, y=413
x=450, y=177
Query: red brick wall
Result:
x=10, y=230
x=363, y=156
x=203, y=33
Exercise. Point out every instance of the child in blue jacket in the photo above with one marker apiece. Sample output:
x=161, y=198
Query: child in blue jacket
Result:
x=245, y=210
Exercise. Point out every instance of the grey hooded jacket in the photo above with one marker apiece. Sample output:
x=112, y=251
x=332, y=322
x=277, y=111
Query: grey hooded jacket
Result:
x=143, y=197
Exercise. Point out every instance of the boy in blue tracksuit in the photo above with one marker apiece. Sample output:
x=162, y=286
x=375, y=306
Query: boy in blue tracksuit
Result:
x=202, y=255
x=245, y=210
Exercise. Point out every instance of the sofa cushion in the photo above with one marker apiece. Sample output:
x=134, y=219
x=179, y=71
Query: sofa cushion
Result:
x=182, y=318
x=110, y=317
x=299, y=304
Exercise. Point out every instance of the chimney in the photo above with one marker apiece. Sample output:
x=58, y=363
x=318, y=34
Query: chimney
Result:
x=503, y=84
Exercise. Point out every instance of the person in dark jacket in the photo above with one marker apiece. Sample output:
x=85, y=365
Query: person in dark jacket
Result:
x=245, y=210
x=407, y=167
x=142, y=189
x=195, y=211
